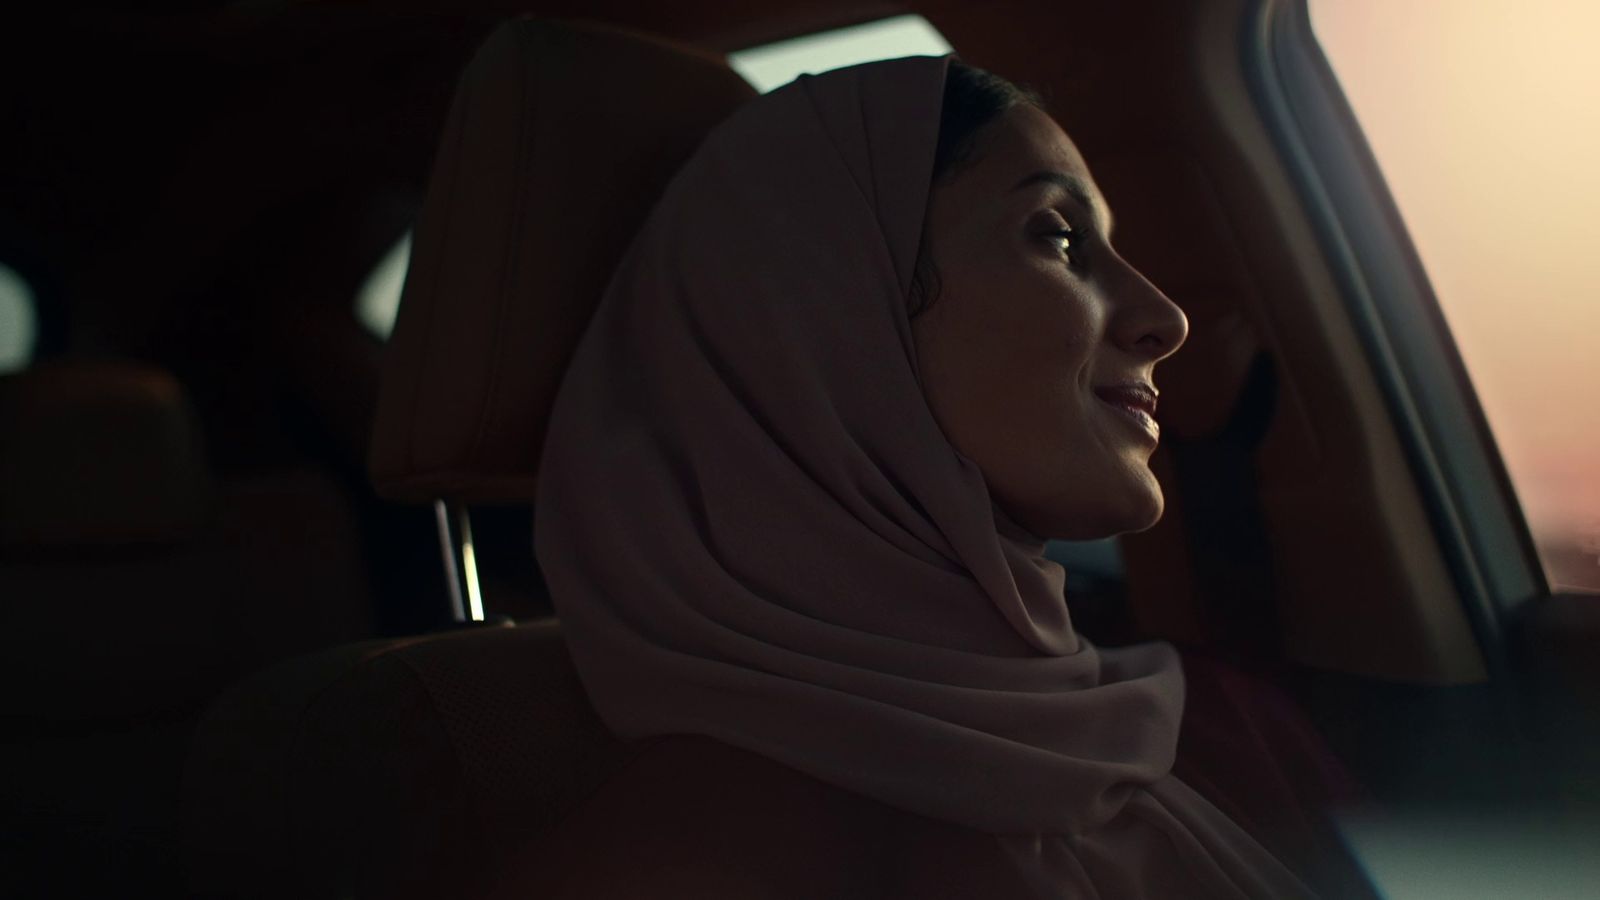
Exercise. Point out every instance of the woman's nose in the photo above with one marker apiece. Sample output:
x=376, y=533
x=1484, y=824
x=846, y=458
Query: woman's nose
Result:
x=1146, y=322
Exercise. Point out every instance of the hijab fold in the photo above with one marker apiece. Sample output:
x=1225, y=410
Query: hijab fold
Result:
x=754, y=529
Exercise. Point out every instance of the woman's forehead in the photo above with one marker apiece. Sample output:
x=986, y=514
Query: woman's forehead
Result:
x=1032, y=137
x=1025, y=149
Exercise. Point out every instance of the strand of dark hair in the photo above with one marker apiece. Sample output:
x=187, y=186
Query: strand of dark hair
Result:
x=973, y=98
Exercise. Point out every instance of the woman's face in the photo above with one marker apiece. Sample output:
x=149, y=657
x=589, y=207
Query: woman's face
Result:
x=1039, y=336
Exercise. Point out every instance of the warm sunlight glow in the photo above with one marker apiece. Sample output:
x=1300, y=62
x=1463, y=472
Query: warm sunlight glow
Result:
x=1485, y=118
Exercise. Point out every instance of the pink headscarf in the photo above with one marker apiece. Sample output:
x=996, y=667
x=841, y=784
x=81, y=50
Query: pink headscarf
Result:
x=754, y=529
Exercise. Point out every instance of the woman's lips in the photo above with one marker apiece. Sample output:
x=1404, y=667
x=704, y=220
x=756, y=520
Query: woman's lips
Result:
x=1136, y=403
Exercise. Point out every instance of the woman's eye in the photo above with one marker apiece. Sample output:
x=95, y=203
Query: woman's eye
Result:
x=1067, y=242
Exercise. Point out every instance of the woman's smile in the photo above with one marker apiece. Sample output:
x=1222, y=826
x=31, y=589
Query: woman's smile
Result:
x=1135, y=404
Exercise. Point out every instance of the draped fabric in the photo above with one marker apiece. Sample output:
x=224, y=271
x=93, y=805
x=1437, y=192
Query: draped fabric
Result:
x=753, y=528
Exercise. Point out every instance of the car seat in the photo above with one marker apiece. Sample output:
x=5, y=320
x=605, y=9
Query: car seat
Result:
x=134, y=583
x=413, y=767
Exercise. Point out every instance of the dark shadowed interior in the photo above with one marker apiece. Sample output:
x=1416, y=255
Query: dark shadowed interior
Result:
x=226, y=627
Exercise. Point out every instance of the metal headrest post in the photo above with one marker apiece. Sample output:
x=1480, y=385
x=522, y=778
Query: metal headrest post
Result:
x=454, y=524
x=529, y=209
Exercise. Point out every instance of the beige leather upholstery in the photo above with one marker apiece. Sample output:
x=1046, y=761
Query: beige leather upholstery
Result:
x=132, y=581
x=412, y=768
x=104, y=499
x=98, y=454
x=557, y=145
x=392, y=768
x=134, y=584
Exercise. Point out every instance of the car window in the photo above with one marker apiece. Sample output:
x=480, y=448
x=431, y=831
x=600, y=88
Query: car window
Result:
x=378, y=301
x=774, y=65
x=18, y=321
x=1485, y=119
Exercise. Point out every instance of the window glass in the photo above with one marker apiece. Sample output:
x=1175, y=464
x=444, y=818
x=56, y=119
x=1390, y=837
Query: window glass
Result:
x=1485, y=119
x=774, y=65
x=379, y=299
x=1096, y=560
x=19, y=324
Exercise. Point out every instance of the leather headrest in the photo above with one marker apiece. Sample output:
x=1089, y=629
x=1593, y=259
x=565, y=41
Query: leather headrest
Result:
x=560, y=139
x=98, y=454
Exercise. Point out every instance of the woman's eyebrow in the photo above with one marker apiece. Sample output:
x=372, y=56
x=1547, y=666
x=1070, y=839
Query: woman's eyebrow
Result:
x=1075, y=188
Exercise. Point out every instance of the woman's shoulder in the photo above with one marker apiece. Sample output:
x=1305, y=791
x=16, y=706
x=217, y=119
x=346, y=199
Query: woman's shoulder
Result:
x=691, y=816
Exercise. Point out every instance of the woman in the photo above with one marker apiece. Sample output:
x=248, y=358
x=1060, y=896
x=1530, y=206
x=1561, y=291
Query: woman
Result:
x=870, y=350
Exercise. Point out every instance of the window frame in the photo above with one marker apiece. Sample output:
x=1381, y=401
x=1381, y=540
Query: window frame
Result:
x=1476, y=519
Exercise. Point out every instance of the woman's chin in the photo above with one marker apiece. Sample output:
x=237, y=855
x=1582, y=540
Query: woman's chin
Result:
x=1140, y=510
x=1104, y=523
x=1125, y=502
x=1151, y=505
x=1149, y=520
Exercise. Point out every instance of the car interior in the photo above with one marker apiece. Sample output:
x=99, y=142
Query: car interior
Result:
x=270, y=620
